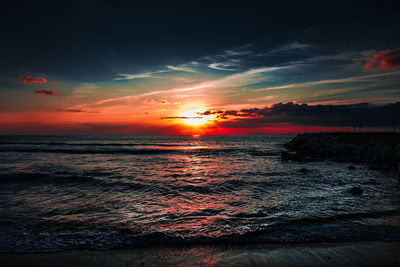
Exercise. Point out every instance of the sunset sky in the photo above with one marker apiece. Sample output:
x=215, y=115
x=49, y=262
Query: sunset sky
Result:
x=119, y=67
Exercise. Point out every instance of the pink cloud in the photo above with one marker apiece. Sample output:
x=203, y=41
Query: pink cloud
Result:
x=28, y=79
x=46, y=92
x=163, y=102
x=383, y=60
x=149, y=101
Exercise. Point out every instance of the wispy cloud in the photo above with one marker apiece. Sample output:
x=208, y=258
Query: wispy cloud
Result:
x=139, y=76
x=153, y=74
x=235, y=80
x=291, y=46
x=239, y=79
x=363, y=78
x=181, y=68
x=221, y=66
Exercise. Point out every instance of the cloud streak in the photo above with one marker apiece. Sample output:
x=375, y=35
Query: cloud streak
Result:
x=363, y=78
x=221, y=66
x=181, y=68
x=153, y=74
x=28, y=79
x=139, y=76
x=46, y=92
x=235, y=80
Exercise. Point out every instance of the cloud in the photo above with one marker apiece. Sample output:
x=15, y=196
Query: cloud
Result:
x=153, y=101
x=149, y=101
x=383, y=60
x=139, y=76
x=355, y=79
x=239, y=79
x=153, y=74
x=80, y=111
x=28, y=79
x=46, y=92
x=181, y=68
x=221, y=66
x=291, y=46
x=183, y=118
x=309, y=115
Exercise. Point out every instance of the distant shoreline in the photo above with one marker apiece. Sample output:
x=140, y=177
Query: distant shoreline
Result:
x=342, y=254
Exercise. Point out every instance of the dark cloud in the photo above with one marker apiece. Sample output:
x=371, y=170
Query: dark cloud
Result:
x=80, y=111
x=183, y=118
x=100, y=41
x=46, y=92
x=383, y=60
x=28, y=79
x=306, y=115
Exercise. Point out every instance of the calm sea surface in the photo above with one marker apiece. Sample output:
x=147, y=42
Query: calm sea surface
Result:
x=103, y=192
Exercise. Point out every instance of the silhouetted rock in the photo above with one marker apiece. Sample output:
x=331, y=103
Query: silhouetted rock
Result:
x=287, y=155
x=356, y=190
x=381, y=151
x=351, y=167
x=303, y=170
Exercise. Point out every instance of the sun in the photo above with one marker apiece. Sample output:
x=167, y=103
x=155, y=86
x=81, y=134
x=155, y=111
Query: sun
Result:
x=193, y=118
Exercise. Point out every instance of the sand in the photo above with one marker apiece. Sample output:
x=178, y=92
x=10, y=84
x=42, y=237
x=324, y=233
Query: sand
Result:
x=348, y=254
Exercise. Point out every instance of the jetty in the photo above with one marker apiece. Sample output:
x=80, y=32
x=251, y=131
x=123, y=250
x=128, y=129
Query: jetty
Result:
x=380, y=150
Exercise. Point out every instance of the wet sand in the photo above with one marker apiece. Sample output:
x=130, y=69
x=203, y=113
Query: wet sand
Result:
x=348, y=254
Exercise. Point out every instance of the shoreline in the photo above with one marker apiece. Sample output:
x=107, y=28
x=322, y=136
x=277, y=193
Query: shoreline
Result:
x=375, y=253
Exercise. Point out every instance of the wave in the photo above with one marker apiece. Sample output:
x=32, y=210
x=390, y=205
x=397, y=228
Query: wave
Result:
x=127, y=151
x=92, y=144
x=291, y=232
x=91, y=151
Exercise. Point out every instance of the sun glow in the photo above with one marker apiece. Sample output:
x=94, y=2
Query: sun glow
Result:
x=193, y=118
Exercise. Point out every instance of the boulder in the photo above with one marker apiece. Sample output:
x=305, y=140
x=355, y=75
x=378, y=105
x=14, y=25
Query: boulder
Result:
x=356, y=190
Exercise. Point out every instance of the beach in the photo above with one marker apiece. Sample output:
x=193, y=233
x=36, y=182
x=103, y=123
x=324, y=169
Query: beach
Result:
x=342, y=254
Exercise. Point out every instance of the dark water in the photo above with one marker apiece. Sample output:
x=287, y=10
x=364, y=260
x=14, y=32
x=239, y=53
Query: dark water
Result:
x=106, y=192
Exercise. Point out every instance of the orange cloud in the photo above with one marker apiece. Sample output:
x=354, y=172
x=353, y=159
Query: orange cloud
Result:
x=383, y=60
x=149, y=101
x=153, y=101
x=46, y=92
x=28, y=79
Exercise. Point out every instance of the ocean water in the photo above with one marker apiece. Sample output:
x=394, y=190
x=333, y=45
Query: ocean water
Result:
x=104, y=192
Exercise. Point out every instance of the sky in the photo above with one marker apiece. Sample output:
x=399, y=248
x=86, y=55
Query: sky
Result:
x=198, y=67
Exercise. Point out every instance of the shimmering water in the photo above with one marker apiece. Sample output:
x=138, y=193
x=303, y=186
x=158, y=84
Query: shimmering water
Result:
x=61, y=192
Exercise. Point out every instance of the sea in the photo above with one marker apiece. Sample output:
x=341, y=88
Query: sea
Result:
x=108, y=192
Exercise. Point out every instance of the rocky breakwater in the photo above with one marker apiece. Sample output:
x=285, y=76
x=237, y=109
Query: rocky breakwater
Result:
x=378, y=150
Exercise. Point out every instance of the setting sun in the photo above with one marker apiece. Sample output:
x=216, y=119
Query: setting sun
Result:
x=193, y=118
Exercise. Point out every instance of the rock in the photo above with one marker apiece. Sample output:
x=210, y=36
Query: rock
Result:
x=338, y=149
x=356, y=190
x=288, y=155
x=351, y=167
x=388, y=152
x=397, y=157
x=303, y=170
